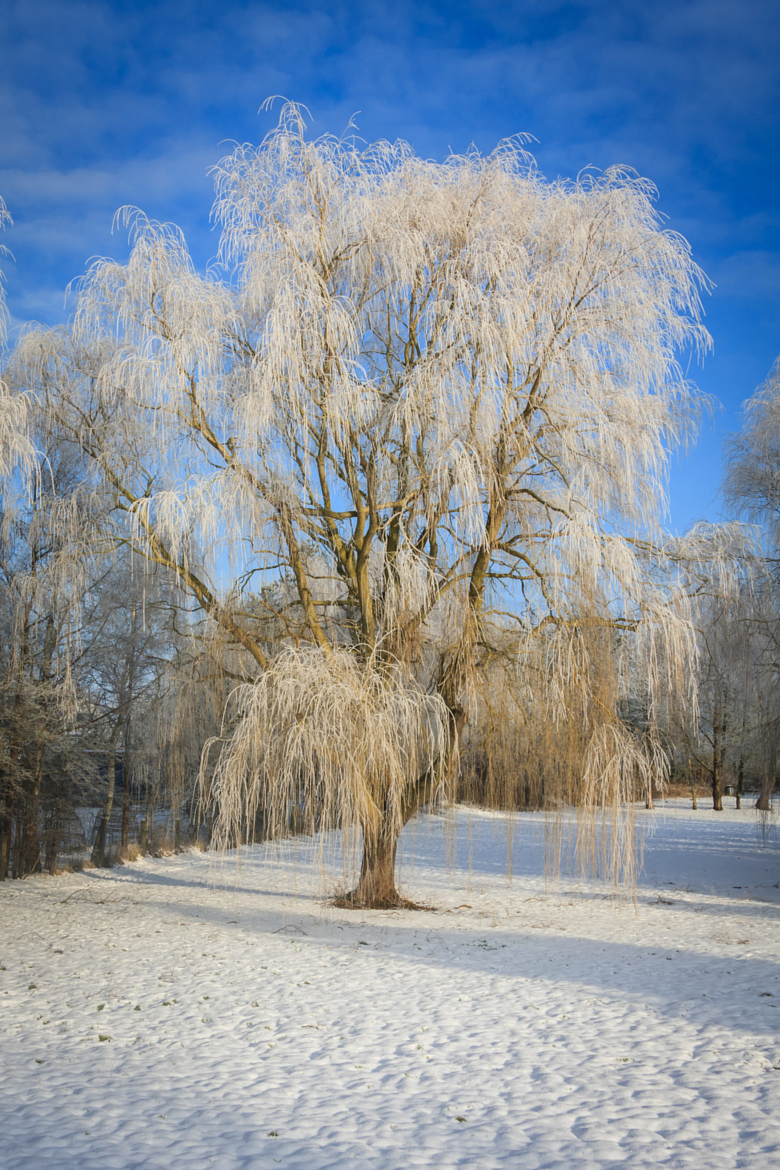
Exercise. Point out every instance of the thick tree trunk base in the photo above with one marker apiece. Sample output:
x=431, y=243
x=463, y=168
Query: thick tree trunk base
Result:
x=764, y=802
x=355, y=900
x=376, y=889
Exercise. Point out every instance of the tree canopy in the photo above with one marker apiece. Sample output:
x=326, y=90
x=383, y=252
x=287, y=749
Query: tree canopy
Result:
x=405, y=444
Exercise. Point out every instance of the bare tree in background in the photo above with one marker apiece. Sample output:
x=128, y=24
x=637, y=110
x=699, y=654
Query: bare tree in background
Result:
x=752, y=489
x=714, y=737
x=124, y=673
x=42, y=730
x=423, y=423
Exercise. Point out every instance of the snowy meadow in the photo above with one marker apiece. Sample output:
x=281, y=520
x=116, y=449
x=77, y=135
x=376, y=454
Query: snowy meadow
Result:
x=166, y=1014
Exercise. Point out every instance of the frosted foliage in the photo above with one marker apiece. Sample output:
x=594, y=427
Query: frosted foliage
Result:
x=5, y=218
x=385, y=305
x=15, y=447
x=334, y=739
x=753, y=471
x=420, y=414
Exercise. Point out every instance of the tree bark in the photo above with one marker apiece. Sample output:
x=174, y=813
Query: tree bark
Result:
x=99, y=848
x=149, y=821
x=718, y=756
x=28, y=853
x=53, y=839
x=30, y=848
x=764, y=802
x=11, y=789
x=6, y=828
x=125, y=812
x=376, y=888
x=126, y=786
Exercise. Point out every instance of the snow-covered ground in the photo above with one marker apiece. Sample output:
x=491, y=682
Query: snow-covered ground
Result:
x=149, y=1018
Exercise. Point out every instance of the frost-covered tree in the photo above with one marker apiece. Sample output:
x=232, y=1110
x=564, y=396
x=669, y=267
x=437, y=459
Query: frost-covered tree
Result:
x=752, y=489
x=406, y=448
x=16, y=450
x=752, y=480
x=713, y=738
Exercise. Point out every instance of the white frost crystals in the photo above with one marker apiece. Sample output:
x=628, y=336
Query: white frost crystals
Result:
x=328, y=740
x=16, y=450
x=408, y=455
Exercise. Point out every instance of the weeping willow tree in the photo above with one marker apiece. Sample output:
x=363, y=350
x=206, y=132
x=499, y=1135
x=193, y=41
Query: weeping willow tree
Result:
x=405, y=446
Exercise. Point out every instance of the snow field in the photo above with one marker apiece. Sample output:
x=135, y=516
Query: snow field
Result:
x=150, y=1018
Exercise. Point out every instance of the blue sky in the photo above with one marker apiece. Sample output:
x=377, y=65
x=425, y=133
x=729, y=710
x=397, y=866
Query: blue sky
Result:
x=112, y=102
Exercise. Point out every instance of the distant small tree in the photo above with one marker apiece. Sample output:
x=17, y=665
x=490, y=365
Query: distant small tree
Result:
x=752, y=489
x=423, y=426
x=714, y=736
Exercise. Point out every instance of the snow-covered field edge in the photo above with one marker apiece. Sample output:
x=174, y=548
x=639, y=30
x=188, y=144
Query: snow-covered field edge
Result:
x=154, y=1016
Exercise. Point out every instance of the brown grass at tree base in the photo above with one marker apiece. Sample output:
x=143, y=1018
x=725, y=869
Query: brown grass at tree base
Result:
x=396, y=902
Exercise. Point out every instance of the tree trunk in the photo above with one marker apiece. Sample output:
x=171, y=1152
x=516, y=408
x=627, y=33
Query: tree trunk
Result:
x=718, y=755
x=125, y=812
x=717, y=791
x=99, y=848
x=126, y=783
x=764, y=802
x=11, y=790
x=6, y=828
x=28, y=853
x=692, y=783
x=150, y=822
x=376, y=887
x=53, y=839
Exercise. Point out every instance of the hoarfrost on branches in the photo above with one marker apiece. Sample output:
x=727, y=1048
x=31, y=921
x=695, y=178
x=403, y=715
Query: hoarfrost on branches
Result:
x=407, y=449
